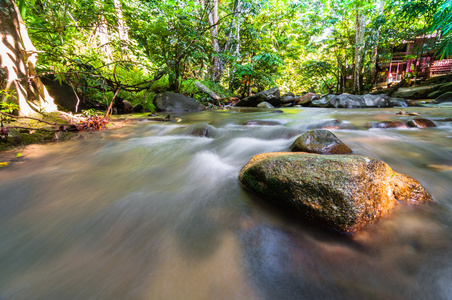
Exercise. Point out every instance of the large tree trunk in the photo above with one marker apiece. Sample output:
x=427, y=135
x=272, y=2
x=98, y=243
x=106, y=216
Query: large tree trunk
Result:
x=235, y=40
x=123, y=32
x=17, y=63
x=212, y=17
x=373, y=76
x=359, y=51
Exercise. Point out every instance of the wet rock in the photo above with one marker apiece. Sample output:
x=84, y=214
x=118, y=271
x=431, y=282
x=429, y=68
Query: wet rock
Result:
x=289, y=97
x=421, y=123
x=263, y=122
x=434, y=95
x=271, y=96
x=352, y=101
x=399, y=102
x=332, y=124
x=388, y=124
x=307, y=98
x=405, y=113
x=319, y=141
x=200, y=130
x=418, y=92
x=447, y=97
x=345, y=192
x=173, y=102
x=265, y=104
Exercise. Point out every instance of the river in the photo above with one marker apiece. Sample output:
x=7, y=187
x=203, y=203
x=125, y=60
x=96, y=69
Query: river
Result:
x=155, y=211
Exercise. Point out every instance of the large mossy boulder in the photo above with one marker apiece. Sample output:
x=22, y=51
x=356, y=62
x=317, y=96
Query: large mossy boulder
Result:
x=416, y=92
x=319, y=141
x=173, y=102
x=353, y=101
x=447, y=97
x=272, y=96
x=345, y=192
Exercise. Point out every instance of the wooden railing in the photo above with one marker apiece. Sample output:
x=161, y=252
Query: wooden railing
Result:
x=441, y=67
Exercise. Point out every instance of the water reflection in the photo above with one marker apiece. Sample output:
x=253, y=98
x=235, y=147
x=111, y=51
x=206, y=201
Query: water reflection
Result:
x=156, y=212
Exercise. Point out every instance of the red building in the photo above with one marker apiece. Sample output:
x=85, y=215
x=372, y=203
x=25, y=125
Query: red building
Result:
x=414, y=59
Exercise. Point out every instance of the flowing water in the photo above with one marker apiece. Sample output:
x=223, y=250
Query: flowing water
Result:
x=156, y=211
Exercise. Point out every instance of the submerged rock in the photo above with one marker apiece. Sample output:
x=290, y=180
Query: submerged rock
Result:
x=332, y=124
x=201, y=130
x=388, y=124
x=345, y=192
x=173, y=102
x=263, y=122
x=319, y=141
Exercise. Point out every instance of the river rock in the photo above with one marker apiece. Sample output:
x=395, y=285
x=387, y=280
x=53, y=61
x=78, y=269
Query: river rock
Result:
x=263, y=122
x=421, y=123
x=447, y=97
x=138, y=108
x=307, y=98
x=352, y=101
x=271, y=96
x=265, y=104
x=319, y=141
x=399, y=102
x=388, y=124
x=288, y=97
x=434, y=95
x=332, y=124
x=173, y=102
x=200, y=130
x=345, y=192
x=418, y=92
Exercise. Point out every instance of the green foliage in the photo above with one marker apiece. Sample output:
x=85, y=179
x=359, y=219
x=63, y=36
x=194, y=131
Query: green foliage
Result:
x=89, y=112
x=7, y=105
x=443, y=22
x=299, y=45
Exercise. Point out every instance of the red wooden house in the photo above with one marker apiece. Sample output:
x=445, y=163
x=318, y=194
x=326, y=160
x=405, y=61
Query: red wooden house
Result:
x=414, y=59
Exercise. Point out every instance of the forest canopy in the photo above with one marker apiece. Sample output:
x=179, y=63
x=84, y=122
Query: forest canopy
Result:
x=137, y=48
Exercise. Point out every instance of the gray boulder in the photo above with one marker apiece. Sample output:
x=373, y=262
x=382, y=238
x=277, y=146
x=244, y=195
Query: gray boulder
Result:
x=398, y=102
x=271, y=96
x=352, y=101
x=173, y=102
x=345, y=192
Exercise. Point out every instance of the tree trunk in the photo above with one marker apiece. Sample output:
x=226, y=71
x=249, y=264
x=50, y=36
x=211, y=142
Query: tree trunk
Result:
x=206, y=90
x=104, y=39
x=123, y=32
x=18, y=59
x=235, y=40
x=373, y=76
x=212, y=18
x=359, y=49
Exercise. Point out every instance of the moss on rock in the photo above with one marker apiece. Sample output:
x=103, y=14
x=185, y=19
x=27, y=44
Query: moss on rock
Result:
x=345, y=192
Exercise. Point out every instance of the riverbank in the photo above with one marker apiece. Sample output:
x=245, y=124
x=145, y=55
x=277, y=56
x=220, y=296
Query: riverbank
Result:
x=23, y=132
